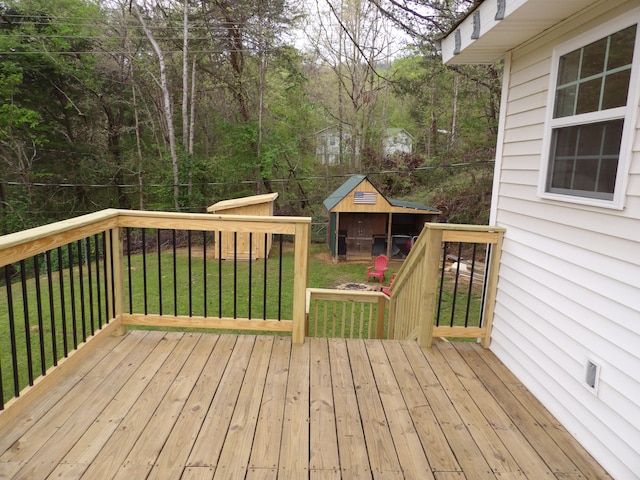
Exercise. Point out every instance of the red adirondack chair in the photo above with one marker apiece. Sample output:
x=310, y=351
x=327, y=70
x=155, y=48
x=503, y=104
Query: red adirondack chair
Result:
x=378, y=268
x=386, y=289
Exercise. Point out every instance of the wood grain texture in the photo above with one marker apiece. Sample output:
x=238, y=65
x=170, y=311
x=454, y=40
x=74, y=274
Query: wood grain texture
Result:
x=196, y=406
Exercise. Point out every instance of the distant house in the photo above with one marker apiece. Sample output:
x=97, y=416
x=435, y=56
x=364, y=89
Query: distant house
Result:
x=364, y=223
x=567, y=190
x=397, y=140
x=329, y=146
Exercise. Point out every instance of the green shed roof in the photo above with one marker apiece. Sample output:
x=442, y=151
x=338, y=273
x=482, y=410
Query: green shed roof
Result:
x=343, y=190
x=418, y=206
x=353, y=181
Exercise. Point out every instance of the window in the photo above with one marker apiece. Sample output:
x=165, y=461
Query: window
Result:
x=591, y=96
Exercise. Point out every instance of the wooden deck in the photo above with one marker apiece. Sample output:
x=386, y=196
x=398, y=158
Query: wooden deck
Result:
x=201, y=406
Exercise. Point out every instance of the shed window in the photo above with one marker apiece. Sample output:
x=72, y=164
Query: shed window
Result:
x=591, y=109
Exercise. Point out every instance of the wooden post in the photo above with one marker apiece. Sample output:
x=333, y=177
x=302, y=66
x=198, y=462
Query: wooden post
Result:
x=427, y=303
x=491, y=288
x=301, y=270
x=118, y=279
x=381, y=308
x=389, y=224
x=391, y=333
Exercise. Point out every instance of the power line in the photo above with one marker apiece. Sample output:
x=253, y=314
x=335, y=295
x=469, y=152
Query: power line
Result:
x=247, y=182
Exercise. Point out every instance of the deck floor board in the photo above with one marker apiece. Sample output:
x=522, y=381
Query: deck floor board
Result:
x=199, y=406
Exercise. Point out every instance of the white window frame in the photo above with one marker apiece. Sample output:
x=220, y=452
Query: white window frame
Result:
x=629, y=113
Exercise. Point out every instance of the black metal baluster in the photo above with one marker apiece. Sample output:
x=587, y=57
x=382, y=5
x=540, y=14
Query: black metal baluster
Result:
x=128, y=236
x=83, y=312
x=63, y=310
x=43, y=359
x=489, y=250
x=113, y=277
x=455, y=285
x=27, y=326
x=190, y=272
x=280, y=280
x=175, y=274
x=52, y=315
x=235, y=274
x=473, y=266
x=250, y=280
x=204, y=271
x=144, y=271
x=158, y=240
x=90, y=287
x=105, y=264
x=98, y=281
x=220, y=274
x=72, y=293
x=12, y=333
x=442, y=271
x=264, y=279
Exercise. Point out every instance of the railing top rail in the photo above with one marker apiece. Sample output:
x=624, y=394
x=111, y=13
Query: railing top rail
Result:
x=57, y=228
x=464, y=227
x=20, y=245
x=208, y=217
x=210, y=222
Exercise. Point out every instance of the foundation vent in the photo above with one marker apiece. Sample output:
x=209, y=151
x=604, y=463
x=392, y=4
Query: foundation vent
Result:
x=592, y=375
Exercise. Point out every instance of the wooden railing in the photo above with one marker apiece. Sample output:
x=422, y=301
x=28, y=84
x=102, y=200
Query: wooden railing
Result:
x=446, y=287
x=346, y=313
x=66, y=283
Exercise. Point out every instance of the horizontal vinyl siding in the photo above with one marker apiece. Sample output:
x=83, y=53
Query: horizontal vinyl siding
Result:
x=569, y=286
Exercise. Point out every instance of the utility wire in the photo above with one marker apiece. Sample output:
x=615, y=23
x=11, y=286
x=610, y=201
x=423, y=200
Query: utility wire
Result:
x=247, y=182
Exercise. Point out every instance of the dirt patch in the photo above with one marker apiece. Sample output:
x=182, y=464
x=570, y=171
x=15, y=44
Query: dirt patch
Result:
x=324, y=256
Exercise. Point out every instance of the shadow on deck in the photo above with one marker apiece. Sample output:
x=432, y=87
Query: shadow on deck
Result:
x=175, y=405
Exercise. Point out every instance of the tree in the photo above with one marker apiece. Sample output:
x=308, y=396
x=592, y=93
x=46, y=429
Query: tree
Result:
x=352, y=40
x=166, y=104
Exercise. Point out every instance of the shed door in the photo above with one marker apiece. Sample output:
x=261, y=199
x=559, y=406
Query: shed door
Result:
x=360, y=235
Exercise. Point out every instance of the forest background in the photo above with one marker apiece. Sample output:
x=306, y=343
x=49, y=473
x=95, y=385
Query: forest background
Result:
x=175, y=105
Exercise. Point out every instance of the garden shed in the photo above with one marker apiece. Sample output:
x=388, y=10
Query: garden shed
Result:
x=363, y=223
x=244, y=245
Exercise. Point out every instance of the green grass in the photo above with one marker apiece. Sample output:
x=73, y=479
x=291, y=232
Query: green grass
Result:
x=464, y=304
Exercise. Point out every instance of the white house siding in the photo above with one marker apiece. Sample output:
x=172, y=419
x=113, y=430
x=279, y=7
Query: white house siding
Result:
x=569, y=285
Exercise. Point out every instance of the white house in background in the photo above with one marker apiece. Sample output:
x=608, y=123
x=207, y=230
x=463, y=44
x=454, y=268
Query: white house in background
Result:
x=395, y=140
x=567, y=189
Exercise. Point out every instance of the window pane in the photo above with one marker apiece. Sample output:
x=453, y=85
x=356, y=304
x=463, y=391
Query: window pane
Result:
x=569, y=67
x=566, y=140
x=616, y=87
x=589, y=96
x=613, y=138
x=607, y=179
x=562, y=174
x=590, y=139
x=565, y=102
x=584, y=159
x=621, y=49
x=585, y=175
x=593, y=58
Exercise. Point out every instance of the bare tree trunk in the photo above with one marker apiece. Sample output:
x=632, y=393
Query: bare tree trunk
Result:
x=192, y=122
x=185, y=77
x=192, y=126
x=138, y=146
x=454, y=114
x=166, y=102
